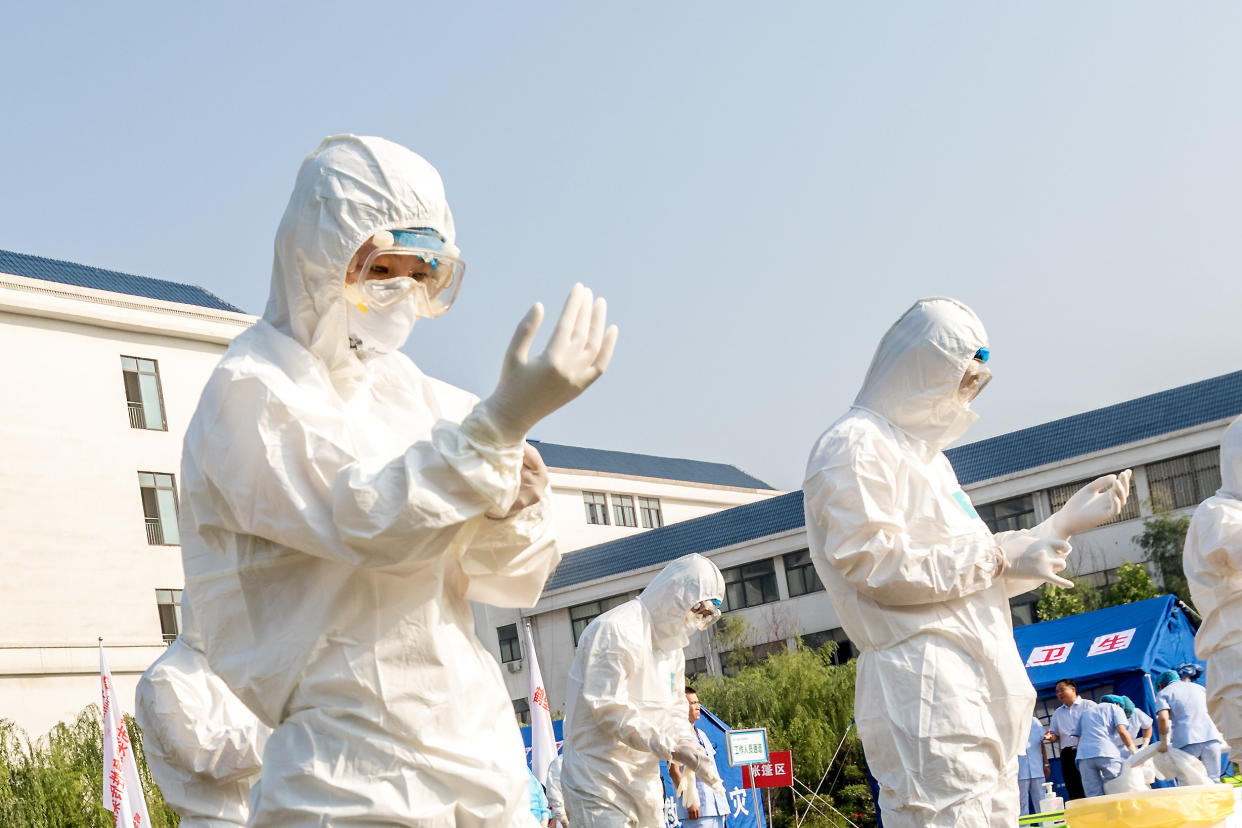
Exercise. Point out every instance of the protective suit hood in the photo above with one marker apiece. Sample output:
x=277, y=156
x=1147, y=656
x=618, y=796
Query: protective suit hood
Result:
x=672, y=593
x=345, y=191
x=1231, y=461
x=916, y=370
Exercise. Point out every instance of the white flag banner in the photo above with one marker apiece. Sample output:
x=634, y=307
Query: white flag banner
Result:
x=122, y=791
x=542, y=739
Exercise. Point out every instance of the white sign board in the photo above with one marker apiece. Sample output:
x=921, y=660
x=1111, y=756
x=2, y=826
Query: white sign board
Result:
x=747, y=747
x=1111, y=643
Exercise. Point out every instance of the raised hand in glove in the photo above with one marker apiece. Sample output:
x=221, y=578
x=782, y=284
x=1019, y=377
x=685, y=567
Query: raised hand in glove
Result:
x=1098, y=502
x=531, y=388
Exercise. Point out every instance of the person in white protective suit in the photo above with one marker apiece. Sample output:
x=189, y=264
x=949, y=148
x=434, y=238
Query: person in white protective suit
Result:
x=922, y=586
x=340, y=509
x=1213, y=561
x=203, y=746
x=627, y=706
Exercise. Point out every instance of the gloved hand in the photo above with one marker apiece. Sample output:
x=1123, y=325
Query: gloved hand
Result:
x=687, y=791
x=1040, y=559
x=532, y=388
x=692, y=756
x=1162, y=746
x=1093, y=504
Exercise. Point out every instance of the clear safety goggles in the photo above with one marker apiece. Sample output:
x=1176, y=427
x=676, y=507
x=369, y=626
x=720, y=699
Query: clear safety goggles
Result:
x=976, y=378
x=705, y=613
x=414, y=263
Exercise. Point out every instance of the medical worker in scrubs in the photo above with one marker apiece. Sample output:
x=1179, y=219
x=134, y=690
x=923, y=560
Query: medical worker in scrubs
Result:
x=340, y=509
x=1099, y=759
x=1033, y=769
x=1183, y=720
x=627, y=708
x=920, y=583
x=1213, y=563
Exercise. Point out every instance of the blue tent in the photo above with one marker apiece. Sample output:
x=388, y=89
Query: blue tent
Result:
x=741, y=801
x=1115, y=650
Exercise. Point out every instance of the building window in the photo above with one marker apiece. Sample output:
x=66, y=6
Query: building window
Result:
x=1022, y=608
x=750, y=585
x=584, y=614
x=844, y=650
x=649, y=508
x=696, y=666
x=142, y=392
x=1009, y=515
x=510, y=650
x=521, y=709
x=168, y=602
x=159, y=506
x=1058, y=496
x=623, y=510
x=800, y=574
x=1183, y=481
x=596, y=507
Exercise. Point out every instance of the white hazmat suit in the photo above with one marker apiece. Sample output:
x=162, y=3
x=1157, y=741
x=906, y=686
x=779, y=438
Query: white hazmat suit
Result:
x=922, y=586
x=1213, y=563
x=338, y=514
x=627, y=705
x=204, y=747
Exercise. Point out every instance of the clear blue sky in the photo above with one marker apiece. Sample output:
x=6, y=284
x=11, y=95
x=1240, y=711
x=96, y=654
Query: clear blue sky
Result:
x=759, y=190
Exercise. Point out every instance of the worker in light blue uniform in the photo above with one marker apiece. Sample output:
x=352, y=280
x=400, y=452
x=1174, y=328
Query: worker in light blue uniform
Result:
x=1099, y=760
x=713, y=806
x=1138, y=723
x=1183, y=720
x=1032, y=769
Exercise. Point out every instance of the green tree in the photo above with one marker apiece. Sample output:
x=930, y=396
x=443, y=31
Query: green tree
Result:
x=806, y=703
x=57, y=781
x=1059, y=602
x=1133, y=583
x=1163, y=537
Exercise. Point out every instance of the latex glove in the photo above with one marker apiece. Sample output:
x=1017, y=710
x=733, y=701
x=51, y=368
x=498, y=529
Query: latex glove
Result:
x=711, y=776
x=532, y=388
x=1162, y=746
x=1041, y=559
x=534, y=481
x=689, y=754
x=687, y=791
x=1097, y=502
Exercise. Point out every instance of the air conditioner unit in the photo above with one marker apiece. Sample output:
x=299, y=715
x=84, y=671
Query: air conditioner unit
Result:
x=514, y=666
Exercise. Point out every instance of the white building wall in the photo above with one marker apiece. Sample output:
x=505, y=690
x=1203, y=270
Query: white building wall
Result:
x=74, y=548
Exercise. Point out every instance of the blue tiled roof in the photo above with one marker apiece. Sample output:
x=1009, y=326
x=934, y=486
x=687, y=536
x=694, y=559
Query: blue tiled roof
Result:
x=645, y=465
x=68, y=273
x=741, y=523
x=1103, y=428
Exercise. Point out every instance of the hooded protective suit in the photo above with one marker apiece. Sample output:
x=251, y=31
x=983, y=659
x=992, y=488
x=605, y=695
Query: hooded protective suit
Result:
x=204, y=747
x=627, y=703
x=335, y=525
x=942, y=700
x=1213, y=562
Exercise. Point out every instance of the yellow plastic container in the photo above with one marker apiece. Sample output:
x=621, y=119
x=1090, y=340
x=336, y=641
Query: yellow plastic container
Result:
x=1196, y=806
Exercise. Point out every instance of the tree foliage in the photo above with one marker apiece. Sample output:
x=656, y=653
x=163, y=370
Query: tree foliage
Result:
x=807, y=704
x=1133, y=583
x=1163, y=538
x=57, y=781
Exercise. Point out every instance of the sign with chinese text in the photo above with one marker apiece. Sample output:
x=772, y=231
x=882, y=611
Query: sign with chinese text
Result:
x=775, y=773
x=1111, y=643
x=1049, y=654
x=747, y=747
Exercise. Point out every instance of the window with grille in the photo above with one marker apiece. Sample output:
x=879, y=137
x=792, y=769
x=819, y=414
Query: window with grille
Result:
x=521, y=709
x=623, y=510
x=584, y=614
x=168, y=603
x=1183, y=481
x=159, y=507
x=510, y=649
x=649, y=509
x=1058, y=496
x=1022, y=608
x=143, y=394
x=750, y=585
x=596, y=507
x=800, y=574
x=844, y=650
x=1009, y=515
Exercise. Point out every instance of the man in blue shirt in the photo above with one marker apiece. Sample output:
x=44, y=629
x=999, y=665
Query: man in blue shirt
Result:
x=1099, y=760
x=713, y=806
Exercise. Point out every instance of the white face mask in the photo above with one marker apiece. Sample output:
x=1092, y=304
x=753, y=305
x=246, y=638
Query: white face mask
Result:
x=375, y=330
